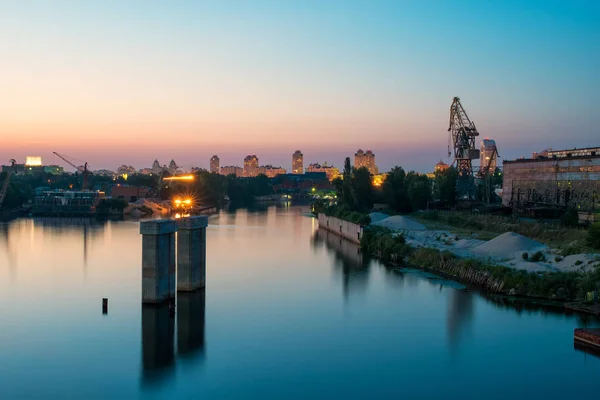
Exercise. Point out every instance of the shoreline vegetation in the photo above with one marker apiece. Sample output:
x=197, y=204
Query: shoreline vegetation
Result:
x=569, y=289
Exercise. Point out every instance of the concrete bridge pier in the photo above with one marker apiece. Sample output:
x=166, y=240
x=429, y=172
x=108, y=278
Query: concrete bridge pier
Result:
x=158, y=260
x=191, y=253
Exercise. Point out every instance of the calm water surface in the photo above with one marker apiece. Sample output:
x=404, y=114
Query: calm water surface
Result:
x=288, y=312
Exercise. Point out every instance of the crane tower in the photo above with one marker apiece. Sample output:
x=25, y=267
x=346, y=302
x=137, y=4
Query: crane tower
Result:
x=462, y=133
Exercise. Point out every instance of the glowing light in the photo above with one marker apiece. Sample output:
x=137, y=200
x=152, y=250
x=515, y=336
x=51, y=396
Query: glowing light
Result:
x=33, y=161
x=180, y=178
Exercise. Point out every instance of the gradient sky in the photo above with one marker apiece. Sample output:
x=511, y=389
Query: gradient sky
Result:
x=120, y=81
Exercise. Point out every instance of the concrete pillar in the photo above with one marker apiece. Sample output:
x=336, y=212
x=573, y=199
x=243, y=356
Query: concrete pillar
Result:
x=191, y=253
x=190, y=322
x=158, y=260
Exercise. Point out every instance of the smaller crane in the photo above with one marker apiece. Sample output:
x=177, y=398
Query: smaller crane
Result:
x=81, y=169
x=4, y=189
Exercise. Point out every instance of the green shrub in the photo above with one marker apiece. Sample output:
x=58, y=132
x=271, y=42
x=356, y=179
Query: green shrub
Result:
x=525, y=256
x=558, y=258
x=570, y=218
x=593, y=236
x=538, y=256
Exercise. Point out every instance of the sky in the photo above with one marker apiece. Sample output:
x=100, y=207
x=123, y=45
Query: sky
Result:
x=125, y=81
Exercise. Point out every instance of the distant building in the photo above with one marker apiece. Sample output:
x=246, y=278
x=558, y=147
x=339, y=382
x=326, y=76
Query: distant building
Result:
x=146, y=171
x=367, y=160
x=156, y=167
x=104, y=172
x=173, y=167
x=251, y=165
x=214, y=164
x=441, y=166
x=232, y=170
x=330, y=171
x=272, y=171
x=129, y=193
x=54, y=169
x=33, y=161
x=297, y=162
x=488, y=159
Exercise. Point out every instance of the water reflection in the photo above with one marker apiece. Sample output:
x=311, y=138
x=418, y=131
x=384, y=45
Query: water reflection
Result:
x=88, y=228
x=158, y=352
x=158, y=339
x=348, y=260
x=10, y=252
x=460, y=314
x=190, y=322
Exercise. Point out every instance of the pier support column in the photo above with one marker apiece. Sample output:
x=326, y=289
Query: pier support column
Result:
x=191, y=253
x=158, y=260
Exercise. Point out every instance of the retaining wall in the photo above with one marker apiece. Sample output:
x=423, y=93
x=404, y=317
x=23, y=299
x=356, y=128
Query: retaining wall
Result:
x=348, y=230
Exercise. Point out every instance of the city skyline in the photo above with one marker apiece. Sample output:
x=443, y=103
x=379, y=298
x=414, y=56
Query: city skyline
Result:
x=115, y=82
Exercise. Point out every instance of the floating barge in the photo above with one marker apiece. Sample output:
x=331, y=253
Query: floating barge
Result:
x=588, y=337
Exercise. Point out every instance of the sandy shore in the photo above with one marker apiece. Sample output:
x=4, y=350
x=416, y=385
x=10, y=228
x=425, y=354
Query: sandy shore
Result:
x=506, y=249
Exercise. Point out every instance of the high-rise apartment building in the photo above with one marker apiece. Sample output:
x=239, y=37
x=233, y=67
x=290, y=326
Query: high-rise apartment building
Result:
x=367, y=160
x=251, y=165
x=297, y=162
x=214, y=164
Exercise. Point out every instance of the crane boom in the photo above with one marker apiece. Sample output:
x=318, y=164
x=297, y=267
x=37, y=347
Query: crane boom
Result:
x=4, y=189
x=83, y=169
x=463, y=132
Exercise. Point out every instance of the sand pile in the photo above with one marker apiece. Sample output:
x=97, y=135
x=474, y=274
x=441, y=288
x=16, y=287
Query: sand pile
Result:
x=398, y=223
x=506, y=245
x=377, y=216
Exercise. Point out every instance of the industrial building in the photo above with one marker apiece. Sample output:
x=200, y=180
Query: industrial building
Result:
x=561, y=179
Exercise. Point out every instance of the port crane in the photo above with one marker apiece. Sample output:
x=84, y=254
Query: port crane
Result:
x=462, y=137
x=83, y=169
x=4, y=189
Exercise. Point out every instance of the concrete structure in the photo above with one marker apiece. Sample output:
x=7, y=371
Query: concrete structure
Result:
x=347, y=230
x=251, y=165
x=158, y=260
x=191, y=253
x=563, y=180
x=232, y=169
x=297, y=162
x=329, y=170
x=214, y=164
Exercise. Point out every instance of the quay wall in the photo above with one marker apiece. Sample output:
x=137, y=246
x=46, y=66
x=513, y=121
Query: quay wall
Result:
x=348, y=230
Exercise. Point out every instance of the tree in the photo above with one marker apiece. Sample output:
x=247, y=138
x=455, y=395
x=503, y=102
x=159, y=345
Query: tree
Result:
x=445, y=185
x=363, y=189
x=394, y=190
x=348, y=198
x=418, y=188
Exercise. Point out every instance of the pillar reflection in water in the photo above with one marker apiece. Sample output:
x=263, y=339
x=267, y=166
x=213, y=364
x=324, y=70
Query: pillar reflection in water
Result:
x=158, y=352
x=190, y=322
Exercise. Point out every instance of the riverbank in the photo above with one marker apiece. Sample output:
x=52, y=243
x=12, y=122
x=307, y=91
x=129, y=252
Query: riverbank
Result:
x=509, y=264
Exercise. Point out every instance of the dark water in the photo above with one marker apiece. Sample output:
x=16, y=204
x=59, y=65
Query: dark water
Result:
x=287, y=313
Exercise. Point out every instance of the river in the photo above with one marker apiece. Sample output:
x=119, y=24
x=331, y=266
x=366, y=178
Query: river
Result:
x=289, y=312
